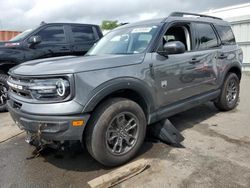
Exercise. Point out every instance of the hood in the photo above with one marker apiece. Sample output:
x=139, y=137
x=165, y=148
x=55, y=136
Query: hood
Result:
x=72, y=64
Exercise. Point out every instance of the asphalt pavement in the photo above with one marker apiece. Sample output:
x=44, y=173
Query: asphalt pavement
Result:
x=215, y=153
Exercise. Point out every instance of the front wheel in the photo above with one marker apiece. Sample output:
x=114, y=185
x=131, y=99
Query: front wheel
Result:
x=3, y=92
x=229, y=96
x=116, y=131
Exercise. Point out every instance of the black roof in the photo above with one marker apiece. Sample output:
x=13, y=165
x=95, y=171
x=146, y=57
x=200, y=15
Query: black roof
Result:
x=59, y=23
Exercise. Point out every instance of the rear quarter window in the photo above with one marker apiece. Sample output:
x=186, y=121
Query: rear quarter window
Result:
x=226, y=34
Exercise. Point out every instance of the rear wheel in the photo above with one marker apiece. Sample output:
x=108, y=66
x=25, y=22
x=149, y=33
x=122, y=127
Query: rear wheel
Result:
x=229, y=96
x=3, y=92
x=116, y=131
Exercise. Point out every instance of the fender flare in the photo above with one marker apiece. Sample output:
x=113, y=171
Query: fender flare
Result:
x=107, y=88
x=225, y=72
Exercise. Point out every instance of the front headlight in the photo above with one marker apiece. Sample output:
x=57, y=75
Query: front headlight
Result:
x=55, y=89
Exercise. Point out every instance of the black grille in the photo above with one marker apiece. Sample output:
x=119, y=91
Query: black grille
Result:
x=24, y=83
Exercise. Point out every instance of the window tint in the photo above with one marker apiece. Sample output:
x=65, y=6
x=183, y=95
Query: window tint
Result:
x=52, y=34
x=226, y=34
x=82, y=33
x=206, y=38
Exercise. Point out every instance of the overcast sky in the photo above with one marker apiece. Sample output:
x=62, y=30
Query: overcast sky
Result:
x=25, y=14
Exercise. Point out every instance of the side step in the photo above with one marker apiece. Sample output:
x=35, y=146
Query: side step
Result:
x=166, y=132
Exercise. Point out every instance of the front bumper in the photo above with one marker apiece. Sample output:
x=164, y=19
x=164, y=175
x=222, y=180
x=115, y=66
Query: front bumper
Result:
x=51, y=127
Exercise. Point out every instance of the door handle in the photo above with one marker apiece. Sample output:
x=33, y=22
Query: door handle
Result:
x=222, y=56
x=194, y=60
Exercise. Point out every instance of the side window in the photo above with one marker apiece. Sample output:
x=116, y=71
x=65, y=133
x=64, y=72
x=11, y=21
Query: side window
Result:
x=206, y=38
x=178, y=33
x=52, y=34
x=226, y=34
x=82, y=33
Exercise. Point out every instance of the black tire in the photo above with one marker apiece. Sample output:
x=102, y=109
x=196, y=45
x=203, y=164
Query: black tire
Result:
x=96, y=133
x=3, y=89
x=223, y=102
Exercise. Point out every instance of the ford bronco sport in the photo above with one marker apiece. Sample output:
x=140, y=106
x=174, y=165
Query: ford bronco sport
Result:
x=48, y=40
x=134, y=76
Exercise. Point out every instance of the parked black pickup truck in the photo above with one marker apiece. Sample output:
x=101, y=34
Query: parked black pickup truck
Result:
x=48, y=40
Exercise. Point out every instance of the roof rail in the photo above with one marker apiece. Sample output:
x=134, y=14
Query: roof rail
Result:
x=182, y=14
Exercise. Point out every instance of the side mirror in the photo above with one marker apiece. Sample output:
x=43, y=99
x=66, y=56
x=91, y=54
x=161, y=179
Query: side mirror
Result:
x=35, y=40
x=174, y=47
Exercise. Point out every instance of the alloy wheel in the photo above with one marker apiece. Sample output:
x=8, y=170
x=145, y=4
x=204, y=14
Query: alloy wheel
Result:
x=122, y=133
x=232, y=91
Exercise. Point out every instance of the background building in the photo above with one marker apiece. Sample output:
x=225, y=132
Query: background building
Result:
x=239, y=17
x=7, y=35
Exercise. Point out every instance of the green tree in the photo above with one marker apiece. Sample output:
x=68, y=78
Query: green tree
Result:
x=109, y=24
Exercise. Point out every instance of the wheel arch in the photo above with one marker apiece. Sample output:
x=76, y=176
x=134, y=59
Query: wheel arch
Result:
x=129, y=88
x=236, y=70
x=233, y=68
x=5, y=66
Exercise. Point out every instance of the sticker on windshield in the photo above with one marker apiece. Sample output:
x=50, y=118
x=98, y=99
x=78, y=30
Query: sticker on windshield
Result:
x=142, y=30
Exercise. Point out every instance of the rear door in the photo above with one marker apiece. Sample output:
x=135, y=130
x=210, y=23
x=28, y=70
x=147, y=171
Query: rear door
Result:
x=229, y=51
x=207, y=46
x=176, y=76
x=83, y=38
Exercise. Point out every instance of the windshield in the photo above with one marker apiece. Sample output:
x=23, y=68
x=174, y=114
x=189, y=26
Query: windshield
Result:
x=125, y=41
x=21, y=35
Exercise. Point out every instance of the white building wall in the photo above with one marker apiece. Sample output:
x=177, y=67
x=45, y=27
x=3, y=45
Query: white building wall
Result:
x=242, y=35
x=239, y=17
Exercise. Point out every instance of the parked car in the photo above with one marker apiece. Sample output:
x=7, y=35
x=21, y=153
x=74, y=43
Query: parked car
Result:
x=136, y=75
x=48, y=40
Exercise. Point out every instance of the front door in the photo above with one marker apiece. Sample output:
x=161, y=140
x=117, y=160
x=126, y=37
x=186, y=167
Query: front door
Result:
x=182, y=76
x=54, y=43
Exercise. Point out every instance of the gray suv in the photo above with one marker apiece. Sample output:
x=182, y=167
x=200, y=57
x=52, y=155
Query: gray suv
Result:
x=136, y=75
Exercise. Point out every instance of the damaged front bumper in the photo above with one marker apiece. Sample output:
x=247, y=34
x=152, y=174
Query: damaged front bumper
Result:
x=48, y=127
